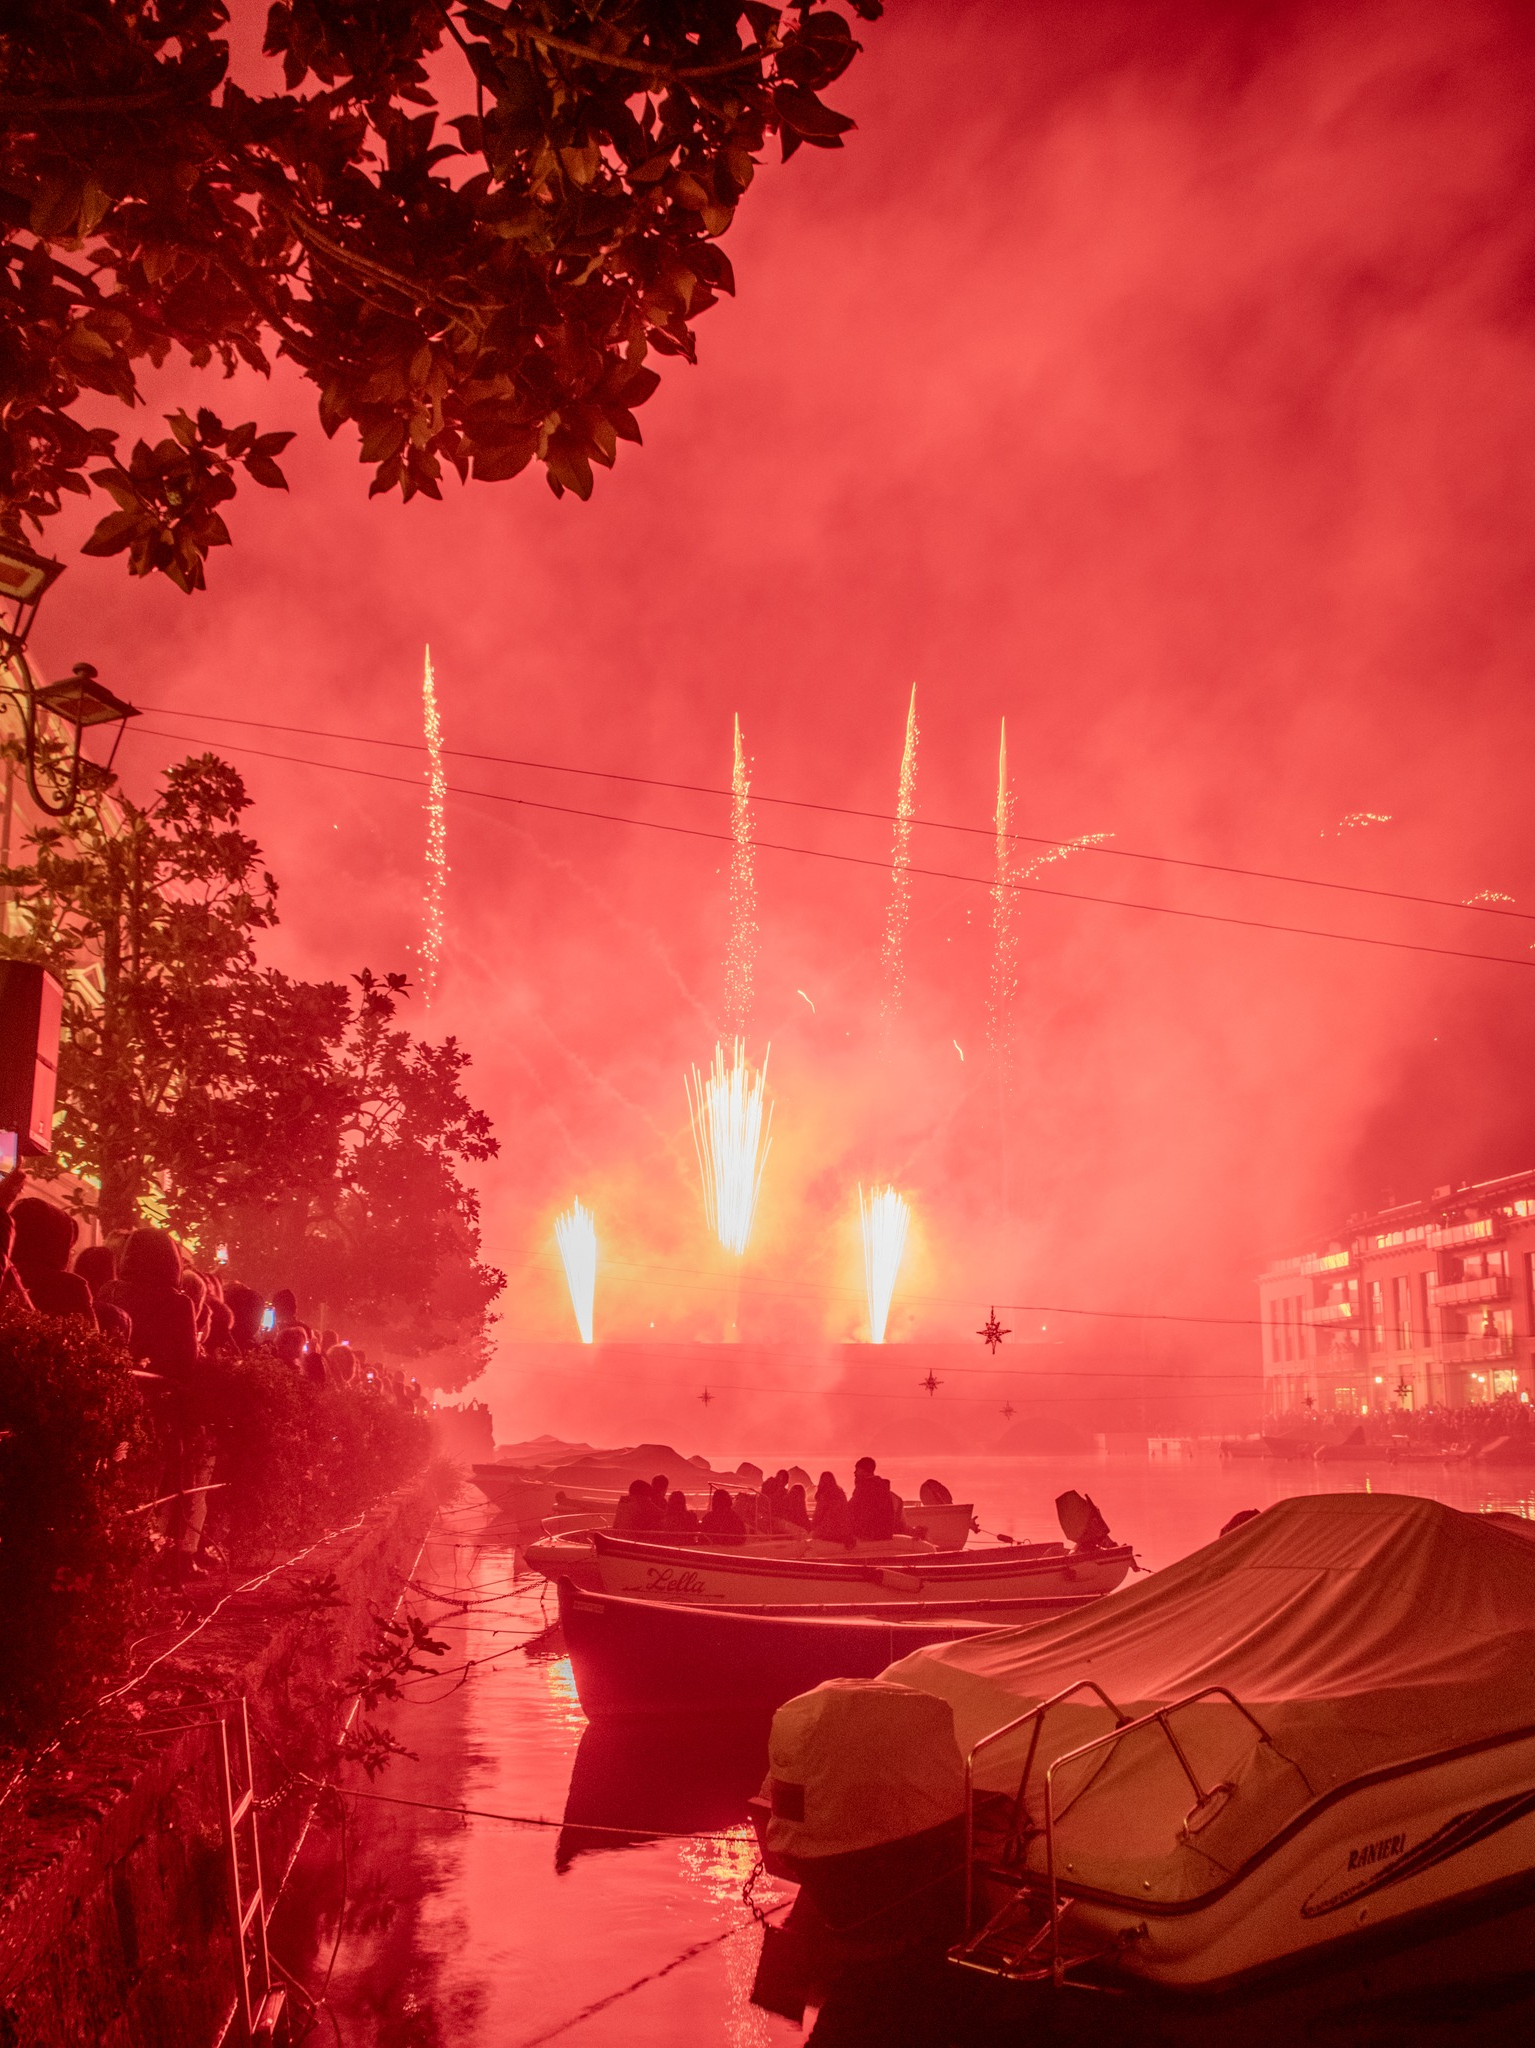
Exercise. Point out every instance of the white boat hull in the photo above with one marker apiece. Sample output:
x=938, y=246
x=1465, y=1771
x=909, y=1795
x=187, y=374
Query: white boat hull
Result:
x=823, y=1574
x=1390, y=1847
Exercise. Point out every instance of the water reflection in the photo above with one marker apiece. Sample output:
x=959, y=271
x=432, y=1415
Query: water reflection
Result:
x=633, y=1780
x=623, y=1919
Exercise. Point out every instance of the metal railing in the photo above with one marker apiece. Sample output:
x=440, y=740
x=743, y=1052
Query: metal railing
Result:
x=1037, y=1716
x=1159, y=1718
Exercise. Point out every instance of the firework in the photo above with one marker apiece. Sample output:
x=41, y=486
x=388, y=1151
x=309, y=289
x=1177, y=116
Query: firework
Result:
x=435, y=891
x=741, y=957
x=732, y=1126
x=893, y=951
x=885, y=1218
x=1004, y=938
x=575, y=1232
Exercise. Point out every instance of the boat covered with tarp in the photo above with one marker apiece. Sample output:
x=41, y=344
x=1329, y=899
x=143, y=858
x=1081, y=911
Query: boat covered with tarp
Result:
x=1320, y=1727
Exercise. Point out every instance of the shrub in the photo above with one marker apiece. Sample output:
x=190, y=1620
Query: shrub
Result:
x=75, y=1464
x=299, y=1459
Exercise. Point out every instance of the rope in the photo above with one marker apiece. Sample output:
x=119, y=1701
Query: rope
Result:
x=597, y=2005
x=530, y=1820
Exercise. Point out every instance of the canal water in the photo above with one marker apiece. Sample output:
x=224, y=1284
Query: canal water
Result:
x=521, y=1877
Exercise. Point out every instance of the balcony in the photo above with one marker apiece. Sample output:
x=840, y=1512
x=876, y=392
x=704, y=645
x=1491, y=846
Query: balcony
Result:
x=1474, y=1350
x=1330, y=1314
x=1307, y=1263
x=1444, y=1237
x=1455, y=1293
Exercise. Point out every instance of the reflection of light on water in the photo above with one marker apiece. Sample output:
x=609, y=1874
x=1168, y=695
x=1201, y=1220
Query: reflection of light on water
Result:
x=561, y=1680
x=720, y=1865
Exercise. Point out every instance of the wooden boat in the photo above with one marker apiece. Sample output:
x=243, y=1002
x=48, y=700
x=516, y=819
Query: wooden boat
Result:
x=571, y=1552
x=823, y=1574
x=566, y=1551
x=639, y=1657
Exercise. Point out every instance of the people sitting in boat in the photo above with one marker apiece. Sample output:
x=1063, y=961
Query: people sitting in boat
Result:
x=832, y=1521
x=793, y=1508
x=873, y=1507
x=660, y=1486
x=722, y=1519
x=679, y=1516
x=775, y=1490
x=637, y=1510
x=935, y=1494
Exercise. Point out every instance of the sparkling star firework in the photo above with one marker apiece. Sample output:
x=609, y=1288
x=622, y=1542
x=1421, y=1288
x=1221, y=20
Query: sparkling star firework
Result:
x=1004, y=937
x=732, y=1131
x=885, y=1219
x=893, y=951
x=575, y=1232
x=435, y=892
x=741, y=957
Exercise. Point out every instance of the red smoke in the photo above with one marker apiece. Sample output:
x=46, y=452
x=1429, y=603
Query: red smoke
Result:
x=1156, y=376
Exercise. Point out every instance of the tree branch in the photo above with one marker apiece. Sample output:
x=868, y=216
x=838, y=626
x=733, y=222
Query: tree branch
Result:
x=664, y=73
x=107, y=103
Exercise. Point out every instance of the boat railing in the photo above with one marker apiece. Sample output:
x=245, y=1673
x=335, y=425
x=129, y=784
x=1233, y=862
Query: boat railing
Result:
x=1207, y=1799
x=1037, y=1716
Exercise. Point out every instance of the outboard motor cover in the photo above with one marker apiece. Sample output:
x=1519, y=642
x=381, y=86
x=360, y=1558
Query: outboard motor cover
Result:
x=856, y=1763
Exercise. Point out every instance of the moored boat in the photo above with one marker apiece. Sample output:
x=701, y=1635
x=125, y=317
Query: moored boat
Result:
x=565, y=1549
x=824, y=1574
x=637, y=1657
x=1318, y=1729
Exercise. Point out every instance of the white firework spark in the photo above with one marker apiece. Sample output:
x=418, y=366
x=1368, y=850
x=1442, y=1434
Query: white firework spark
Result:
x=1004, y=937
x=732, y=1131
x=1064, y=851
x=885, y=1218
x=434, y=894
x=740, y=959
x=893, y=951
x=575, y=1232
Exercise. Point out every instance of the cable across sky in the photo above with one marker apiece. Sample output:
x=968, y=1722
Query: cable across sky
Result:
x=987, y=832
x=986, y=882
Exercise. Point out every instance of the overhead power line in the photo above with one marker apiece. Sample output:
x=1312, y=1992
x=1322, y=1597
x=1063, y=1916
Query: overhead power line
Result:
x=986, y=832
x=865, y=860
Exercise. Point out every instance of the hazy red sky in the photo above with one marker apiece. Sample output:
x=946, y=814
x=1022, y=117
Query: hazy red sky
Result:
x=1156, y=376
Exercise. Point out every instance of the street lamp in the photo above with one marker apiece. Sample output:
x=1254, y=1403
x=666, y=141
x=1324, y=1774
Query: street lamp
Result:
x=78, y=702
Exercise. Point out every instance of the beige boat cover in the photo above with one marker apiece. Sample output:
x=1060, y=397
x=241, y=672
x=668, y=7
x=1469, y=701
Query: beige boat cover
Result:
x=1358, y=1630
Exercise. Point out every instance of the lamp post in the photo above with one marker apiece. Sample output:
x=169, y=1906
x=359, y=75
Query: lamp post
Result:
x=78, y=702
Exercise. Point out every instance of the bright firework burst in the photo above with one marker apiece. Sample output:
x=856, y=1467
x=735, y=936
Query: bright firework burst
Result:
x=576, y=1235
x=893, y=951
x=1004, y=938
x=435, y=892
x=732, y=1131
x=885, y=1218
x=741, y=957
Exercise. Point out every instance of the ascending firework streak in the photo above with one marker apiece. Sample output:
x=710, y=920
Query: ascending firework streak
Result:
x=884, y=1217
x=741, y=956
x=576, y=1235
x=436, y=888
x=1004, y=937
x=893, y=951
x=732, y=1137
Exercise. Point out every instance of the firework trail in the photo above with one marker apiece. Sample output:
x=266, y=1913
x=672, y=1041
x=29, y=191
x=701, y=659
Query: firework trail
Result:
x=436, y=889
x=731, y=1136
x=576, y=1235
x=1004, y=936
x=885, y=1218
x=893, y=951
x=740, y=959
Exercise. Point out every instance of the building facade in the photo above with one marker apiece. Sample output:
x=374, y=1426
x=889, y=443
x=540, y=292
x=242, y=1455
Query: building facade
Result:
x=1424, y=1305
